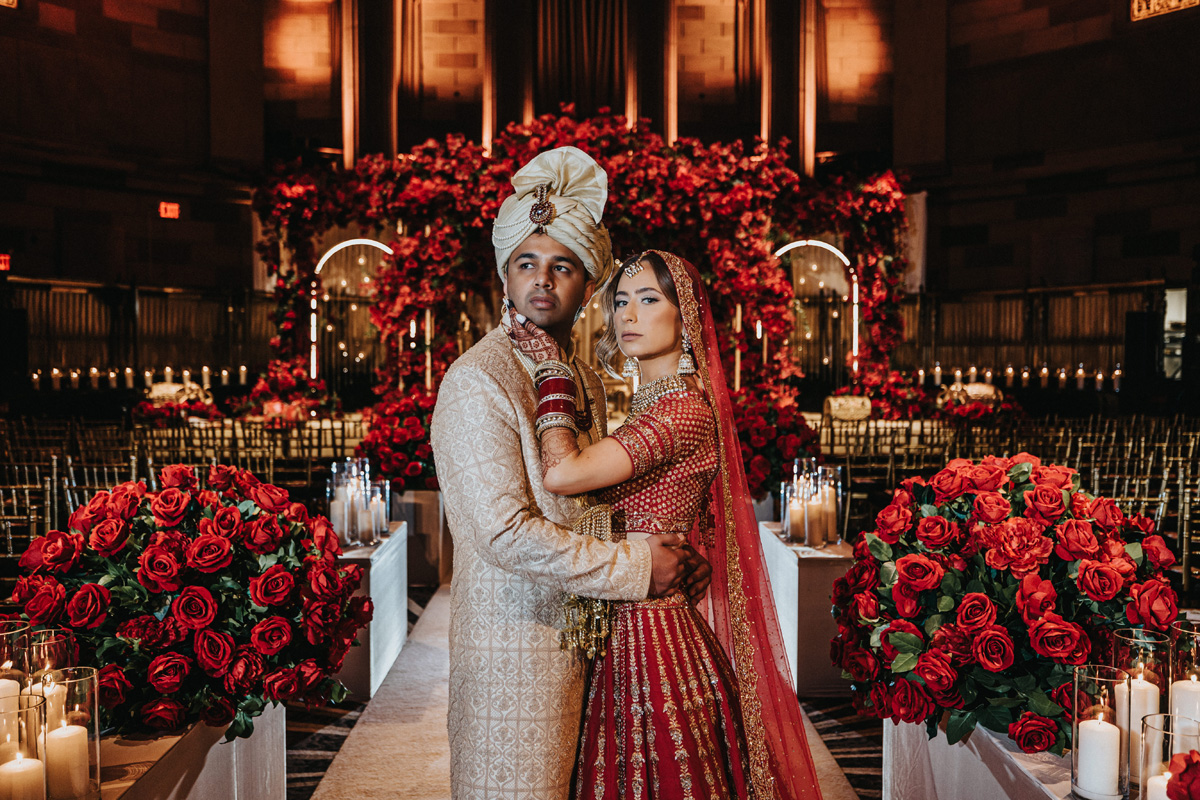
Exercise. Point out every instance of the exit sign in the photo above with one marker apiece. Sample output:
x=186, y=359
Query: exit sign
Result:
x=168, y=210
x=5, y=262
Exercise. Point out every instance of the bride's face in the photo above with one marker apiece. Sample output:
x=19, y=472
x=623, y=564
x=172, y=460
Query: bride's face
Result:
x=645, y=322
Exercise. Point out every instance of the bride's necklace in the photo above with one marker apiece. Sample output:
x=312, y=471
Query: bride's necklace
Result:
x=645, y=396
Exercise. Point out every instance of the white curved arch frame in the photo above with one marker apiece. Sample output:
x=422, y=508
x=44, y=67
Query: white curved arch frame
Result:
x=853, y=280
x=312, y=317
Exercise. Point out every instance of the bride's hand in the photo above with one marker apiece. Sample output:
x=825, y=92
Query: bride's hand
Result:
x=530, y=339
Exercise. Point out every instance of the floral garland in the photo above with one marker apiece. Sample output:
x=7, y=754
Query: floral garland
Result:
x=724, y=207
x=397, y=440
x=773, y=434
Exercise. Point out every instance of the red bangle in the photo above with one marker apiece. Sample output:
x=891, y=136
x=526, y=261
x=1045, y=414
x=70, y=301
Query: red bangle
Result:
x=556, y=406
x=556, y=386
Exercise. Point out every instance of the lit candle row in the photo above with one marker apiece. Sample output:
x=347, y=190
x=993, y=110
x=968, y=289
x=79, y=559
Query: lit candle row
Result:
x=114, y=377
x=1010, y=376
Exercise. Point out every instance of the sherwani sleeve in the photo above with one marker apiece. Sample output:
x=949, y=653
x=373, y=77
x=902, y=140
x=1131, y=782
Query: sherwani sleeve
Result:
x=482, y=473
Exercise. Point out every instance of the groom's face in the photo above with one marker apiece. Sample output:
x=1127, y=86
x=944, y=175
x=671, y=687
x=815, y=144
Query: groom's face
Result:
x=547, y=282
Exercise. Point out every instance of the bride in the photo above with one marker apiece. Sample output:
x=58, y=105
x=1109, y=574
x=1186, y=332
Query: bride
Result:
x=682, y=702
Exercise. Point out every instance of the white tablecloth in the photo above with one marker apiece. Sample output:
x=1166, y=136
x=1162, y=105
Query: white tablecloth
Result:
x=985, y=766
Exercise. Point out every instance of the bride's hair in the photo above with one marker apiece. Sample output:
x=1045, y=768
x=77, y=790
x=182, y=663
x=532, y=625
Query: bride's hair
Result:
x=607, y=349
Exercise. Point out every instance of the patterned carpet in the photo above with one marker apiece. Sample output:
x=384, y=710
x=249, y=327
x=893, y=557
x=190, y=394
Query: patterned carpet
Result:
x=314, y=737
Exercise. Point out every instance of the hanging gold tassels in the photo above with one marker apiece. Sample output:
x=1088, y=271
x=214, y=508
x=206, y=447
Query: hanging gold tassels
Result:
x=588, y=620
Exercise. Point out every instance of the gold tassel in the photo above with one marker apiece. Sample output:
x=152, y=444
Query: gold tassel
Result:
x=588, y=620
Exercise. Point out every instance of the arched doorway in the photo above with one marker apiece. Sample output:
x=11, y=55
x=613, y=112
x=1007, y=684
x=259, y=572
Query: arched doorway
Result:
x=824, y=308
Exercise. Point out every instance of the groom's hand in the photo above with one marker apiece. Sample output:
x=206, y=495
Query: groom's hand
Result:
x=699, y=577
x=670, y=559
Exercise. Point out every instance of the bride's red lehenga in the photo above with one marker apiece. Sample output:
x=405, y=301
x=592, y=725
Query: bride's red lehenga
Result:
x=677, y=709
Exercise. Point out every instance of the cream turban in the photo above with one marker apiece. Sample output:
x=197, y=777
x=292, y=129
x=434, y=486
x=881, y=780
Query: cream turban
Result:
x=562, y=192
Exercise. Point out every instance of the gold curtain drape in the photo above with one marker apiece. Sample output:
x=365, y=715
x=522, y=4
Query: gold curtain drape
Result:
x=580, y=55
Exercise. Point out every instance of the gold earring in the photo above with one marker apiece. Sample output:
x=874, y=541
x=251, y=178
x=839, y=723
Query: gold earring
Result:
x=631, y=369
x=687, y=364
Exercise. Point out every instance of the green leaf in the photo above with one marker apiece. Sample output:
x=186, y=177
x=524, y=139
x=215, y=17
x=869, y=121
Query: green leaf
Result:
x=1039, y=703
x=1134, y=549
x=888, y=575
x=338, y=692
x=904, y=662
x=932, y=624
x=906, y=642
x=879, y=548
x=996, y=718
x=945, y=603
x=876, y=634
x=951, y=584
x=267, y=560
x=929, y=511
x=960, y=724
x=246, y=507
x=1021, y=472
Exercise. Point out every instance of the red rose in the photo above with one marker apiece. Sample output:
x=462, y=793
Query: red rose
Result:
x=310, y=674
x=296, y=512
x=46, y=604
x=125, y=499
x=881, y=700
x=936, y=532
x=324, y=581
x=1108, y=517
x=54, y=552
x=1054, y=637
x=1044, y=504
x=1058, y=477
x=947, y=485
x=976, y=612
x=226, y=522
x=174, y=542
x=271, y=499
x=219, y=712
x=273, y=587
x=893, y=521
x=164, y=714
x=195, y=608
x=150, y=633
x=166, y=672
x=89, y=607
x=1018, y=546
x=861, y=663
x=1157, y=551
x=953, y=641
x=281, y=685
x=245, y=481
x=1035, y=597
x=993, y=649
x=263, y=535
x=323, y=539
x=112, y=685
x=1033, y=733
x=245, y=670
x=984, y=478
x=83, y=518
x=213, y=651
x=158, y=570
x=934, y=668
x=319, y=620
x=1024, y=458
x=209, y=553
x=177, y=476
x=1099, y=581
x=1152, y=604
x=897, y=626
x=991, y=507
x=221, y=477
x=271, y=635
x=1142, y=523
x=910, y=702
x=864, y=608
x=28, y=585
x=169, y=507
x=905, y=598
x=919, y=572
x=109, y=537
x=1062, y=696
x=1184, y=783
x=1076, y=540
x=413, y=469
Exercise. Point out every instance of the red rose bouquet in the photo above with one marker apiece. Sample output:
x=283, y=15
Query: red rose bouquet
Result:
x=773, y=433
x=980, y=590
x=397, y=440
x=1184, y=780
x=174, y=415
x=198, y=604
x=286, y=392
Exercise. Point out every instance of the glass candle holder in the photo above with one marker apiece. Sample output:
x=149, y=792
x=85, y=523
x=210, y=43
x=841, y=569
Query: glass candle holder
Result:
x=1146, y=656
x=1162, y=736
x=14, y=657
x=1185, y=684
x=23, y=748
x=1099, y=763
x=833, y=496
x=794, y=510
x=73, y=740
x=51, y=648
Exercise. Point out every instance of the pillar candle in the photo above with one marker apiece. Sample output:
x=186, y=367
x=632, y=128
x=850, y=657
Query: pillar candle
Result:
x=337, y=517
x=74, y=379
x=129, y=377
x=56, y=701
x=428, y=326
x=958, y=376
x=187, y=377
x=37, y=380
x=10, y=692
x=814, y=529
x=1116, y=380
x=1062, y=379
x=224, y=377
x=1099, y=381
x=937, y=374
x=168, y=375
x=242, y=375
x=1099, y=772
x=378, y=515
x=987, y=377
x=829, y=506
x=1008, y=376
x=23, y=779
x=1143, y=698
x=55, y=379
x=112, y=379
x=67, y=761
x=972, y=374
x=206, y=377
x=8, y=748
x=921, y=377
x=1025, y=378
x=366, y=525
x=1185, y=701
x=1156, y=787
x=1045, y=376
x=794, y=521
x=94, y=378
x=1080, y=376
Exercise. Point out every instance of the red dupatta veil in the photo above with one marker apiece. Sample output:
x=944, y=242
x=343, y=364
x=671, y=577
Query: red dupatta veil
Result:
x=742, y=608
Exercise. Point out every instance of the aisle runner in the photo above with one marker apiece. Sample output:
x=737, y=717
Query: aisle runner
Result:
x=855, y=742
x=398, y=748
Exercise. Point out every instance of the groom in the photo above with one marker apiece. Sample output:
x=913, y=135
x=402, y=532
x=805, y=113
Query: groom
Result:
x=515, y=697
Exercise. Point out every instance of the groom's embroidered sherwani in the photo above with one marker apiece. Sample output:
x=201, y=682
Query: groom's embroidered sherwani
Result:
x=515, y=696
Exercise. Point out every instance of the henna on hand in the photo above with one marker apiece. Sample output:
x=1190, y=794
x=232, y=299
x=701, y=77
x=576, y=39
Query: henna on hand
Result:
x=530, y=339
x=557, y=444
